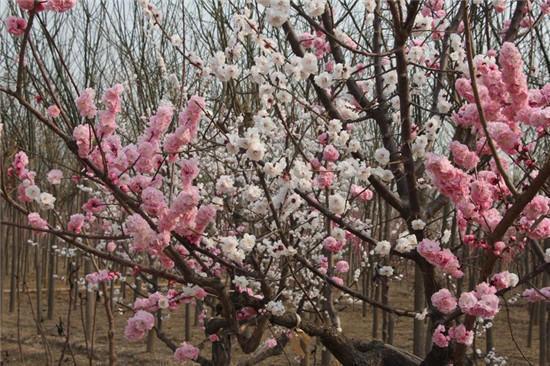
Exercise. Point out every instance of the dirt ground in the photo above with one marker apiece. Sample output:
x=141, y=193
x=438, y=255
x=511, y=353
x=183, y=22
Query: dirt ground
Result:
x=30, y=349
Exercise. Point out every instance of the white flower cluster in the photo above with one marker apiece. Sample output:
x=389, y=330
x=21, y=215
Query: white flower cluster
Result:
x=222, y=70
x=229, y=246
x=406, y=242
x=277, y=11
x=382, y=248
x=45, y=200
x=276, y=308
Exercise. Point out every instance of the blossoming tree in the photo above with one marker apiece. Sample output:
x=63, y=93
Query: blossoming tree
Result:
x=315, y=142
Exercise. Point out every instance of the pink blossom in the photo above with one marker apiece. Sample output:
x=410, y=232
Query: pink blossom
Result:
x=444, y=301
x=191, y=116
x=325, y=178
x=439, y=338
x=482, y=302
x=61, y=6
x=463, y=157
x=482, y=194
x=111, y=246
x=189, y=171
x=111, y=97
x=330, y=153
x=94, y=205
x=186, y=352
x=337, y=280
x=246, y=313
x=332, y=245
x=83, y=135
x=461, y=335
x=504, y=280
x=450, y=181
x=213, y=338
x=538, y=206
x=140, y=231
x=361, y=193
x=467, y=301
x=158, y=123
x=101, y=276
x=271, y=343
x=19, y=164
x=507, y=139
x=153, y=201
x=76, y=222
x=85, y=103
x=541, y=231
x=36, y=221
x=54, y=176
x=513, y=77
x=342, y=266
x=36, y=5
x=186, y=200
x=443, y=259
x=16, y=25
x=53, y=111
x=138, y=325
x=536, y=295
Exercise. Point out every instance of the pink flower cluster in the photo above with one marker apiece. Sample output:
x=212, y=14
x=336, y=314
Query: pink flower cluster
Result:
x=504, y=280
x=188, y=126
x=450, y=181
x=36, y=221
x=536, y=295
x=103, y=275
x=54, y=176
x=85, y=103
x=157, y=301
x=459, y=333
x=40, y=5
x=363, y=194
x=444, y=301
x=139, y=325
x=16, y=25
x=332, y=245
x=317, y=42
x=443, y=259
x=111, y=101
x=481, y=302
x=83, y=136
x=463, y=157
x=330, y=153
x=186, y=352
x=144, y=237
x=60, y=6
x=76, y=223
x=19, y=164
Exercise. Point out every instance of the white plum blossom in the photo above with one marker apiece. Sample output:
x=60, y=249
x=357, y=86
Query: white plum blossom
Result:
x=418, y=224
x=224, y=185
x=276, y=308
x=406, y=243
x=247, y=243
x=382, y=156
x=337, y=204
x=314, y=8
x=385, y=271
x=324, y=80
x=32, y=191
x=46, y=201
x=382, y=248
